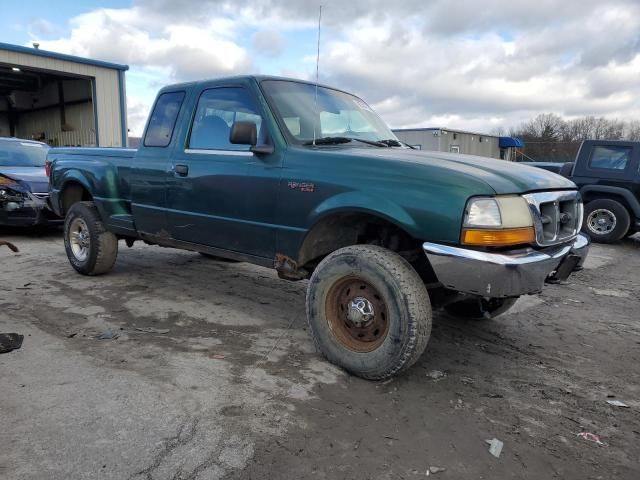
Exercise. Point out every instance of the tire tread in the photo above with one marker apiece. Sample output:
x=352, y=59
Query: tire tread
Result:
x=415, y=295
x=106, y=244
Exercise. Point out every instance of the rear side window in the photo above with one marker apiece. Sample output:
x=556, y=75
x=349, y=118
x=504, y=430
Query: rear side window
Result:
x=163, y=119
x=610, y=157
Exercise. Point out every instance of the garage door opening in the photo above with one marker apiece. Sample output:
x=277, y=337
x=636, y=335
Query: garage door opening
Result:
x=52, y=108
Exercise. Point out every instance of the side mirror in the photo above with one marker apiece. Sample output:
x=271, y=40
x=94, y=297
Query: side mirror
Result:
x=244, y=133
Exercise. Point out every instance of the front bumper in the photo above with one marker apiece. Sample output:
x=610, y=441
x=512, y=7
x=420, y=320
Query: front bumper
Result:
x=27, y=212
x=506, y=274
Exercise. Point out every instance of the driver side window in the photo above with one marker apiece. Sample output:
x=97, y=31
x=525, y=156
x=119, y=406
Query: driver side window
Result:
x=217, y=110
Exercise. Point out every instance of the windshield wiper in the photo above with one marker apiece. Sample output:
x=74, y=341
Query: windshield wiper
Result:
x=392, y=142
x=338, y=140
x=328, y=141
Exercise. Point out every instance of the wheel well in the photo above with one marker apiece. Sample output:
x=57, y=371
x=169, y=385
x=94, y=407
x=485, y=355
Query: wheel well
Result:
x=73, y=192
x=595, y=195
x=356, y=228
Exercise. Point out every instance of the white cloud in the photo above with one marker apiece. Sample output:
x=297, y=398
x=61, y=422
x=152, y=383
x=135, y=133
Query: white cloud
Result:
x=137, y=113
x=41, y=26
x=187, y=52
x=420, y=78
x=466, y=64
x=269, y=42
x=167, y=52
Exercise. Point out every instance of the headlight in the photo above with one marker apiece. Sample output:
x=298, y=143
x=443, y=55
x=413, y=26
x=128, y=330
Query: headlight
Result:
x=497, y=221
x=483, y=212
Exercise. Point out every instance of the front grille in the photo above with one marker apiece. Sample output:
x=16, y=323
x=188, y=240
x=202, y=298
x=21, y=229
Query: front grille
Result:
x=42, y=196
x=557, y=216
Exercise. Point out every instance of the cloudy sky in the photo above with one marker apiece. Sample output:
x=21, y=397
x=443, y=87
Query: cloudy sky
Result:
x=468, y=64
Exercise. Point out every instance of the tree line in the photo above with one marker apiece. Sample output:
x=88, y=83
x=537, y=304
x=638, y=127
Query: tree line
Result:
x=548, y=137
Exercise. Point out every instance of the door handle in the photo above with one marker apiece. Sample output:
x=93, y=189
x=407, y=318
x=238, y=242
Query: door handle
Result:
x=182, y=170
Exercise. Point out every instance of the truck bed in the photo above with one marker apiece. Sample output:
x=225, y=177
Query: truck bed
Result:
x=94, y=151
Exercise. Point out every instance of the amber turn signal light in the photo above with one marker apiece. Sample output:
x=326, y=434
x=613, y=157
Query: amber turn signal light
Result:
x=498, y=237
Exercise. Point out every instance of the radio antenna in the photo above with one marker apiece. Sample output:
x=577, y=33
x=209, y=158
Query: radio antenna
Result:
x=317, y=116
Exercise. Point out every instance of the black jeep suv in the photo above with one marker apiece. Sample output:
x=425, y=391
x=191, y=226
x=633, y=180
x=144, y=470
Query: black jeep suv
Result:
x=608, y=176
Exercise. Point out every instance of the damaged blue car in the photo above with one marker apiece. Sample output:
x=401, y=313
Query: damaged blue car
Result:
x=24, y=184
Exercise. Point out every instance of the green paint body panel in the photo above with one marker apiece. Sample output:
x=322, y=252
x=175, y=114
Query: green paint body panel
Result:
x=254, y=204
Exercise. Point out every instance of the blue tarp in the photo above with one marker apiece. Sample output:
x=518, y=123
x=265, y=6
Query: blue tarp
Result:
x=506, y=142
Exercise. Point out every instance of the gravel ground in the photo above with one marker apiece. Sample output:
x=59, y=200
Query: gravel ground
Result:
x=234, y=388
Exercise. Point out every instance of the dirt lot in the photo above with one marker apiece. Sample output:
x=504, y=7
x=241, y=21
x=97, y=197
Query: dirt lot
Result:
x=235, y=389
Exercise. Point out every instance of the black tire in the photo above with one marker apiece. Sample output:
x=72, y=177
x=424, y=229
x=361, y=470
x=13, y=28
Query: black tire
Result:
x=480, y=308
x=98, y=246
x=616, y=216
x=403, y=311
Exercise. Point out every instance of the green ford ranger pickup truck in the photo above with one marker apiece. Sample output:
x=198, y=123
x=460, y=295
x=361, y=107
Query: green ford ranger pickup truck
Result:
x=308, y=180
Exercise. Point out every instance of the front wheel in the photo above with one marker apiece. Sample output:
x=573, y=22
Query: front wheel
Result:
x=605, y=220
x=480, y=308
x=369, y=311
x=91, y=249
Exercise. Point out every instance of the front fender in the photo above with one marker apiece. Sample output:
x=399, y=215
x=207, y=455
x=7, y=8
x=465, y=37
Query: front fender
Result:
x=608, y=189
x=355, y=201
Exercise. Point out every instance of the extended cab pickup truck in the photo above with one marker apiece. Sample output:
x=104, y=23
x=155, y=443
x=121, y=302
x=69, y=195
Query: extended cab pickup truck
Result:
x=607, y=173
x=309, y=180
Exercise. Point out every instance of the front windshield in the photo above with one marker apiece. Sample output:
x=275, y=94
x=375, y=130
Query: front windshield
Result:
x=22, y=154
x=337, y=114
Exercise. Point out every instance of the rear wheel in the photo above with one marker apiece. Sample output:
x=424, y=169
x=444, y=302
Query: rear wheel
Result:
x=480, y=308
x=369, y=311
x=605, y=220
x=91, y=249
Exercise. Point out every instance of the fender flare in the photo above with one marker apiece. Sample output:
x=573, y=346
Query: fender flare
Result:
x=74, y=176
x=351, y=203
x=631, y=200
x=362, y=203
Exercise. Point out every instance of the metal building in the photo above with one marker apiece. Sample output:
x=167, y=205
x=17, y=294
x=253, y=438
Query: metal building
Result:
x=460, y=141
x=61, y=99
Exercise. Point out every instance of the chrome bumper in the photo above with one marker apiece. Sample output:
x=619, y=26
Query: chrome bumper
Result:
x=507, y=274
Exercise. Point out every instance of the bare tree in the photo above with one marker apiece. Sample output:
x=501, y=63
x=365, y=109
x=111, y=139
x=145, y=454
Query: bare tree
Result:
x=549, y=137
x=632, y=130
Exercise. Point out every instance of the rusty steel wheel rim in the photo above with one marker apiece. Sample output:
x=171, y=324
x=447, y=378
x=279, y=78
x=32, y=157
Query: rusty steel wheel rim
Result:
x=357, y=314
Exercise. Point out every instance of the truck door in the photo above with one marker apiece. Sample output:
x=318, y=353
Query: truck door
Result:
x=151, y=164
x=613, y=164
x=220, y=194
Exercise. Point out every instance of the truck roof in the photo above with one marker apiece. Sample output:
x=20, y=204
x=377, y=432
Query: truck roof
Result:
x=256, y=78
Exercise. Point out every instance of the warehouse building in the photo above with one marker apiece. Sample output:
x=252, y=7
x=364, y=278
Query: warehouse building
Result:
x=459, y=141
x=61, y=99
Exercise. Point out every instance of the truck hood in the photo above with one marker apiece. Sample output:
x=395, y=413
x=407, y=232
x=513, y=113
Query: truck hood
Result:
x=502, y=176
x=33, y=177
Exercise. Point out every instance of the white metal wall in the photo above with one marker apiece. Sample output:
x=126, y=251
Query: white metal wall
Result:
x=107, y=95
x=437, y=140
x=79, y=116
